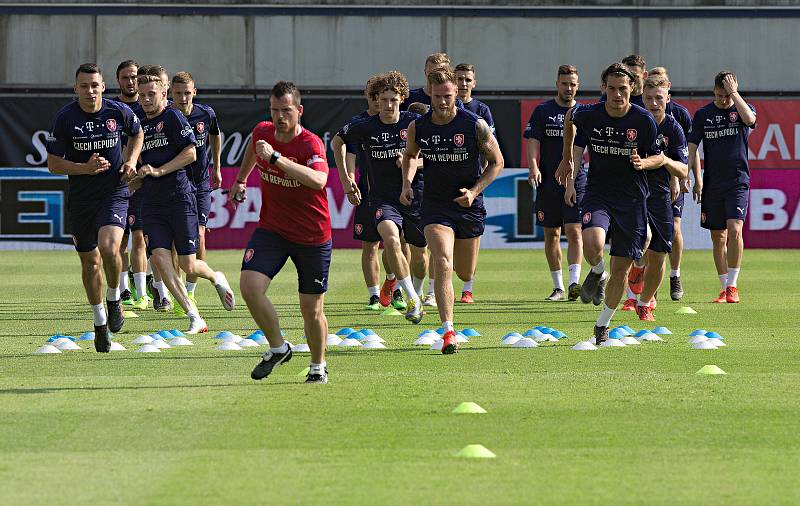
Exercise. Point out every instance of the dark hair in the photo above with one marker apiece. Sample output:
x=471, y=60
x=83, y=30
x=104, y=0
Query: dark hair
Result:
x=126, y=64
x=465, y=67
x=635, y=60
x=155, y=70
x=565, y=70
x=617, y=70
x=282, y=88
x=88, y=68
x=389, y=81
x=719, y=79
x=418, y=108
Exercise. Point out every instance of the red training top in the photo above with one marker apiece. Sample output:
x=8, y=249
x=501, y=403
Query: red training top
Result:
x=295, y=212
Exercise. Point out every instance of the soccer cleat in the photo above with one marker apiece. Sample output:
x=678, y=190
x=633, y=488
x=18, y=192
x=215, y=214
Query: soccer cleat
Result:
x=102, y=343
x=224, y=291
x=166, y=305
x=126, y=297
x=387, y=290
x=141, y=302
x=636, y=279
x=178, y=310
x=374, y=303
x=151, y=290
x=450, y=344
x=397, y=299
x=645, y=313
x=675, y=288
x=158, y=303
x=466, y=297
x=197, y=326
x=600, y=335
x=558, y=294
x=722, y=298
x=415, y=312
x=269, y=361
x=590, y=284
x=192, y=298
x=116, y=316
x=429, y=300
x=320, y=377
x=731, y=295
x=574, y=291
x=630, y=305
x=600, y=293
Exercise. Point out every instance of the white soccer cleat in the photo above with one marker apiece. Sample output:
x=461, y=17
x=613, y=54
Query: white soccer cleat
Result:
x=197, y=326
x=429, y=300
x=224, y=291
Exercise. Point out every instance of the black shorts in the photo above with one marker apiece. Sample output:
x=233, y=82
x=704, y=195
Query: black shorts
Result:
x=135, y=211
x=407, y=219
x=466, y=223
x=716, y=208
x=552, y=211
x=660, y=220
x=364, y=228
x=624, y=221
x=172, y=222
x=86, y=218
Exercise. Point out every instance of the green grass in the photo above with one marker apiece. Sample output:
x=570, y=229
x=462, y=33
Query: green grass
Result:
x=614, y=426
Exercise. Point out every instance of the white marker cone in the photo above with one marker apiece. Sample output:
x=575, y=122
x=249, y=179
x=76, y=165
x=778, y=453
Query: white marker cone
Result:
x=629, y=340
x=115, y=346
x=705, y=345
x=67, y=345
x=374, y=345
x=511, y=340
x=334, y=340
x=426, y=340
x=612, y=343
x=437, y=345
x=148, y=348
x=48, y=348
x=180, y=341
x=143, y=340
x=584, y=346
x=697, y=339
x=247, y=343
x=350, y=343
x=525, y=342
x=229, y=346
x=161, y=344
x=717, y=342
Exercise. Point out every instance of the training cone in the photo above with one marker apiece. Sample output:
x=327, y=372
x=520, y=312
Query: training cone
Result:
x=223, y=334
x=143, y=340
x=165, y=334
x=180, y=341
x=461, y=338
x=176, y=333
x=717, y=342
x=475, y=452
x=629, y=340
x=710, y=369
x=48, y=348
x=248, y=343
x=368, y=332
x=511, y=339
x=358, y=336
x=67, y=345
x=148, y=348
x=584, y=346
x=233, y=338
x=547, y=338
x=662, y=331
x=705, y=345
x=558, y=334
x=345, y=332
x=130, y=314
x=533, y=333
x=713, y=335
x=161, y=344
x=87, y=336
x=685, y=310
x=300, y=348
x=437, y=345
x=229, y=346
x=374, y=338
x=426, y=340
x=374, y=345
x=470, y=332
x=258, y=338
x=525, y=342
x=115, y=346
x=350, y=343
x=622, y=331
x=617, y=334
x=612, y=343
x=698, y=332
x=304, y=371
x=697, y=339
x=650, y=337
x=333, y=340
x=468, y=408
x=390, y=311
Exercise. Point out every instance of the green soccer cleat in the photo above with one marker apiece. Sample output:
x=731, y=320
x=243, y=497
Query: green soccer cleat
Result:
x=397, y=300
x=374, y=304
x=141, y=302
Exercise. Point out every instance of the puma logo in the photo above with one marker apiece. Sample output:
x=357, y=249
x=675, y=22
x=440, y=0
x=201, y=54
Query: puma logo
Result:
x=597, y=131
x=118, y=217
x=193, y=242
x=678, y=208
x=741, y=209
x=321, y=282
x=80, y=129
x=552, y=118
x=203, y=215
x=710, y=120
x=424, y=141
x=374, y=138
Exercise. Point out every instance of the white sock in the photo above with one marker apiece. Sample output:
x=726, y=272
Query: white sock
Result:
x=574, y=274
x=448, y=326
x=558, y=282
x=604, y=319
x=600, y=267
x=193, y=313
x=390, y=276
x=100, y=317
x=629, y=293
x=218, y=277
x=374, y=290
x=190, y=286
x=733, y=275
x=149, y=268
x=140, y=282
x=160, y=288
x=431, y=291
x=723, y=279
x=123, y=281
x=675, y=273
x=283, y=348
x=418, y=282
x=408, y=287
x=112, y=294
x=317, y=368
x=468, y=285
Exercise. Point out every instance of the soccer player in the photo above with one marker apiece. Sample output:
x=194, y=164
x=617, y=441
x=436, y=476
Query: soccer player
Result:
x=545, y=134
x=294, y=223
x=169, y=209
x=660, y=185
x=622, y=142
x=422, y=94
x=723, y=127
x=384, y=138
x=85, y=144
x=203, y=121
x=638, y=69
x=452, y=142
x=465, y=75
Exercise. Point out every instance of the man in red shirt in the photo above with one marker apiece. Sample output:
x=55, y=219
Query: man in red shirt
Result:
x=294, y=223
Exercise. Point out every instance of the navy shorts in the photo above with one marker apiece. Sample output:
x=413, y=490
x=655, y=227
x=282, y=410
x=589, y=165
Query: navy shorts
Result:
x=677, y=206
x=86, y=218
x=203, y=197
x=267, y=253
x=466, y=223
x=716, y=208
x=172, y=222
x=407, y=219
x=135, y=211
x=364, y=228
x=552, y=211
x=624, y=220
x=660, y=220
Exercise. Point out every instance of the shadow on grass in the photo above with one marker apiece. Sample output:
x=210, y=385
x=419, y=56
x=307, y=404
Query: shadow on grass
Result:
x=52, y=390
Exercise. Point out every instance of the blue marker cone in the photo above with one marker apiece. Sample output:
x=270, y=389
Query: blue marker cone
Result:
x=223, y=334
x=617, y=334
x=470, y=332
x=662, y=331
x=710, y=335
x=345, y=332
x=698, y=332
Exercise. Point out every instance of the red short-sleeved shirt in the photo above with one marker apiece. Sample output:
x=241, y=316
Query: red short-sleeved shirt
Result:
x=295, y=212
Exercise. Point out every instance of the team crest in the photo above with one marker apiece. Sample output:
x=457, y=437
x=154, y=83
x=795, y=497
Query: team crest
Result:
x=458, y=140
x=733, y=116
x=378, y=213
x=131, y=219
x=359, y=228
x=540, y=215
x=201, y=127
x=631, y=135
x=665, y=139
x=587, y=217
x=160, y=126
x=404, y=134
x=111, y=125
x=248, y=254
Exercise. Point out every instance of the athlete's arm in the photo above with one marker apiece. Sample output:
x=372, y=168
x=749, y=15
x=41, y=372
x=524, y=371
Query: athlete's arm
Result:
x=216, y=160
x=534, y=175
x=239, y=187
x=694, y=168
x=490, y=149
x=566, y=168
x=409, y=164
x=95, y=165
x=306, y=176
x=650, y=163
x=184, y=158
x=746, y=114
x=676, y=168
x=131, y=154
x=347, y=172
x=570, y=193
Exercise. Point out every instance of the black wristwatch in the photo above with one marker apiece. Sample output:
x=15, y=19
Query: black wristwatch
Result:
x=274, y=157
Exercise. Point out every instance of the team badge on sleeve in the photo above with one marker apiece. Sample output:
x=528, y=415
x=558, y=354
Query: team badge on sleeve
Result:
x=458, y=140
x=631, y=134
x=111, y=125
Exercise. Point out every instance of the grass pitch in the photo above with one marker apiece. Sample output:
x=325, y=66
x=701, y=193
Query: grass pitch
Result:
x=613, y=426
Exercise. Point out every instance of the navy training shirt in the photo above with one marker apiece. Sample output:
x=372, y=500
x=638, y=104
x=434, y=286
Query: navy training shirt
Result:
x=203, y=121
x=724, y=137
x=610, y=141
x=681, y=115
x=165, y=136
x=76, y=134
x=362, y=164
x=477, y=107
x=673, y=144
x=635, y=100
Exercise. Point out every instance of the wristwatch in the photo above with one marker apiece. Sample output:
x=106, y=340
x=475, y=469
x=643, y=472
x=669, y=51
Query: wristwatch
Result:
x=274, y=157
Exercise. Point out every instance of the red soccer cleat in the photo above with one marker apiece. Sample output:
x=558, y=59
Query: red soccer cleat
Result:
x=450, y=344
x=722, y=298
x=645, y=313
x=630, y=305
x=466, y=297
x=731, y=295
x=636, y=279
x=386, y=291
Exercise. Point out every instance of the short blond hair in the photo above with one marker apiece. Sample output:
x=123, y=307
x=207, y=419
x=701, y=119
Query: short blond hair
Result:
x=656, y=81
x=182, y=78
x=438, y=59
x=149, y=78
x=442, y=75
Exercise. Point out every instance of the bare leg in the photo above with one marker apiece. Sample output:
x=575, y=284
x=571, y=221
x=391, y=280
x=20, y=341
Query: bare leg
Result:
x=91, y=277
x=677, y=245
x=653, y=274
x=201, y=252
x=108, y=243
x=315, y=324
x=369, y=263
x=254, y=286
x=162, y=258
x=441, y=242
x=719, y=239
x=552, y=247
x=734, y=244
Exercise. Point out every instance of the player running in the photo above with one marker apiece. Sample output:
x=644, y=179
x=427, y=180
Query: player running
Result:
x=203, y=121
x=545, y=134
x=452, y=141
x=85, y=144
x=723, y=127
x=384, y=138
x=622, y=142
x=294, y=223
x=170, y=208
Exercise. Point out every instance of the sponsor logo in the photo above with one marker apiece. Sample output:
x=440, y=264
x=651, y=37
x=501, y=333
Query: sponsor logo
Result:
x=587, y=217
x=160, y=126
x=458, y=140
x=201, y=127
x=404, y=134
x=631, y=134
x=193, y=242
x=733, y=116
x=111, y=125
x=359, y=228
x=80, y=129
x=540, y=215
x=118, y=217
x=248, y=254
x=741, y=209
x=320, y=281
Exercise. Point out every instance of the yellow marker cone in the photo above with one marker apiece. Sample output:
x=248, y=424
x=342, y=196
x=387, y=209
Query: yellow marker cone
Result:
x=710, y=369
x=304, y=371
x=130, y=314
x=475, y=452
x=468, y=408
x=685, y=310
x=391, y=312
